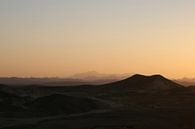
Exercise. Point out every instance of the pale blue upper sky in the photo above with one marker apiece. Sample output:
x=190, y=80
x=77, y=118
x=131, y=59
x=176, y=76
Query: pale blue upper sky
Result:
x=62, y=37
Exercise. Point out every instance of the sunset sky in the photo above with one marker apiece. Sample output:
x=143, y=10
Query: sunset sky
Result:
x=48, y=38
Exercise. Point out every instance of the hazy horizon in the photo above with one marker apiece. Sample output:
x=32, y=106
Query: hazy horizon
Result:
x=59, y=38
x=98, y=75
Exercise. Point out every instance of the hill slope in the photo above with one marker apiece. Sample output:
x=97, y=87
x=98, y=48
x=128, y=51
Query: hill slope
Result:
x=141, y=82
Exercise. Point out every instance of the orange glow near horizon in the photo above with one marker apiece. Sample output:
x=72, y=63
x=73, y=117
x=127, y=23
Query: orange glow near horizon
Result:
x=61, y=38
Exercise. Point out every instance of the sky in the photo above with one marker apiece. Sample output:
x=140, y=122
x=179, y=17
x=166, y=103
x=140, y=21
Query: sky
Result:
x=58, y=38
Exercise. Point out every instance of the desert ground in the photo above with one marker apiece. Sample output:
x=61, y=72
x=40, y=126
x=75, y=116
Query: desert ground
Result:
x=138, y=102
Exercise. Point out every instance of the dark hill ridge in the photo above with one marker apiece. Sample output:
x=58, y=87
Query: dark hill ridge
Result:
x=59, y=104
x=135, y=83
x=142, y=82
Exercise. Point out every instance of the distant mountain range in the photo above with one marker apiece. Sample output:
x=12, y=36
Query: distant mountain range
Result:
x=41, y=81
x=91, y=77
x=186, y=81
x=86, y=78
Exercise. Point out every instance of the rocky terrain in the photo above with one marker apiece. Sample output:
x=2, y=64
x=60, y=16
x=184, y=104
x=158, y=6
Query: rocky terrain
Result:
x=138, y=102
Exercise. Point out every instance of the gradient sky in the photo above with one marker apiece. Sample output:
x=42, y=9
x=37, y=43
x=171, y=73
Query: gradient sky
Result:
x=62, y=37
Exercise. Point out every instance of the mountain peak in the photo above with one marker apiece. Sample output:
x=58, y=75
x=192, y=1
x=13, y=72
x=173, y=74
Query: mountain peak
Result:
x=137, y=75
x=140, y=76
x=158, y=76
x=143, y=82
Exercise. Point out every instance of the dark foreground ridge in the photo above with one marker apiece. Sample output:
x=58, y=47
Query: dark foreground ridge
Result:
x=138, y=102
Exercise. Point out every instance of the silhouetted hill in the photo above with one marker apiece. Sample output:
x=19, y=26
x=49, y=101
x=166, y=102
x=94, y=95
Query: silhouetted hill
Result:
x=10, y=102
x=14, y=105
x=141, y=82
x=58, y=104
